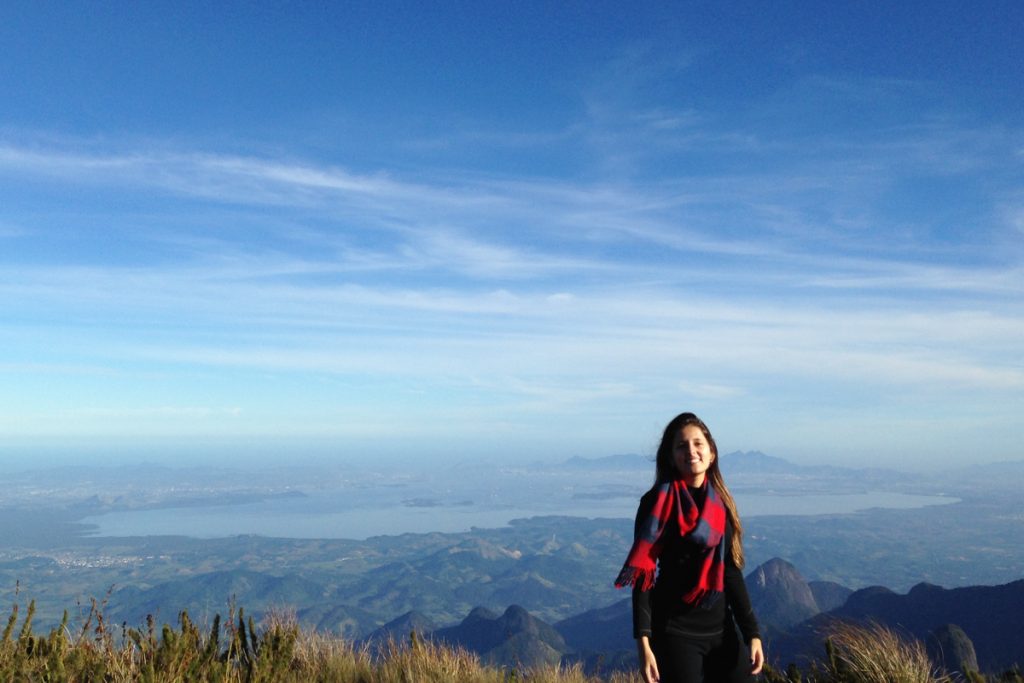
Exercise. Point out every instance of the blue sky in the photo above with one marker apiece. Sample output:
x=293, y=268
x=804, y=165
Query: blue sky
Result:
x=516, y=230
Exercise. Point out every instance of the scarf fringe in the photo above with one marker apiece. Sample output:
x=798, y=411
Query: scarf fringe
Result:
x=634, y=576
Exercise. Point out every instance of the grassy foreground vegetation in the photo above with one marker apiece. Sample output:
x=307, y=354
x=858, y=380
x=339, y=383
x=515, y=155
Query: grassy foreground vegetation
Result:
x=240, y=652
x=279, y=651
x=873, y=653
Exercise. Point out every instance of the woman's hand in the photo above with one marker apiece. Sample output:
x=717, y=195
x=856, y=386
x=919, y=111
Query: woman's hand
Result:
x=648, y=665
x=756, y=656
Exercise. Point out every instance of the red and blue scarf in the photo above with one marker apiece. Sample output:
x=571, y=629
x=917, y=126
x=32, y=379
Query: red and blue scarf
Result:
x=705, y=527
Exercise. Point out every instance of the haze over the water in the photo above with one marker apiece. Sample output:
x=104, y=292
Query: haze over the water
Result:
x=412, y=231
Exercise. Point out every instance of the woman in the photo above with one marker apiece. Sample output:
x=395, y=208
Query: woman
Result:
x=685, y=568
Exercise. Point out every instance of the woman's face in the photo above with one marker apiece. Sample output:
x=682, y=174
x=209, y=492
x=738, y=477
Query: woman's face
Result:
x=691, y=454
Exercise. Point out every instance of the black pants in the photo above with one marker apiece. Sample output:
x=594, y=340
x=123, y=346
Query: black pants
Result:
x=720, y=659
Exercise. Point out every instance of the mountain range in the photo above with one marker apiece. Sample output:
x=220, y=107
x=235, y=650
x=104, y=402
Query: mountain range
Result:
x=975, y=626
x=556, y=569
x=989, y=617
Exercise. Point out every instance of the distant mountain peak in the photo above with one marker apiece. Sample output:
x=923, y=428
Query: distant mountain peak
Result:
x=756, y=461
x=780, y=595
x=515, y=637
x=400, y=629
x=925, y=589
x=777, y=570
x=479, y=613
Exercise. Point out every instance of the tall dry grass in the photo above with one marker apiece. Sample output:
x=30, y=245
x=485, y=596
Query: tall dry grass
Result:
x=278, y=651
x=873, y=653
x=239, y=651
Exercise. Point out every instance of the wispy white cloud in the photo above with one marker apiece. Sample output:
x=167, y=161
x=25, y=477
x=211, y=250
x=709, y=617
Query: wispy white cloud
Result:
x=539, y=295
x=587, y=333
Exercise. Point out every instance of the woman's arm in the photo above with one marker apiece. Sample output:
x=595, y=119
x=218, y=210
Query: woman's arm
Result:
x=739, y=602
x=648, y=665
x=756, y=656
x=737, y=596
x=742, y=611
x=642, y=612
x=641, y=599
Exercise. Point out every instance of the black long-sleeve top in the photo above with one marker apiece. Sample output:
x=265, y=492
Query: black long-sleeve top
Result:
x=662, y=610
